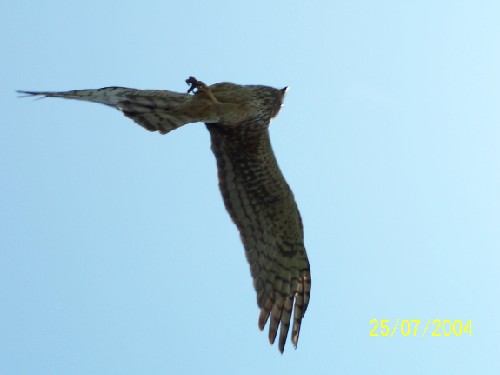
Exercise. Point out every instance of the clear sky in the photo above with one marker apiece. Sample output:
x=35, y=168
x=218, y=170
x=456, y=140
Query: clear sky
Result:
x=116, y=253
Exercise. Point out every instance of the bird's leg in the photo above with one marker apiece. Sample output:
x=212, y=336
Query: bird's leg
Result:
x=201, y=89
x=205, y=91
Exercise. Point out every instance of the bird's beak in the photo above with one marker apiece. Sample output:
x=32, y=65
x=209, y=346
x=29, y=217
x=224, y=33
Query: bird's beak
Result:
x=283, y=91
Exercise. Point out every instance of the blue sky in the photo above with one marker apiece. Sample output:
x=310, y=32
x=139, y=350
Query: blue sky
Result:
x=116, y=253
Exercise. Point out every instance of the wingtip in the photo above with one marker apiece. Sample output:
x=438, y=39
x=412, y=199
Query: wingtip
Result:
x=29, y=94
x=295, y=341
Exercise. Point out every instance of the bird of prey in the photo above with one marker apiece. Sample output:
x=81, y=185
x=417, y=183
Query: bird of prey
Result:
x=253, y=188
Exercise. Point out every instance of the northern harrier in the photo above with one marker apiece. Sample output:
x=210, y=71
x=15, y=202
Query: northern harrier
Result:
x=255, y=192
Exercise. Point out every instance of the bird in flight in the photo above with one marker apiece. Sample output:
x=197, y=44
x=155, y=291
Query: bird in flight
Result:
x=253, y=188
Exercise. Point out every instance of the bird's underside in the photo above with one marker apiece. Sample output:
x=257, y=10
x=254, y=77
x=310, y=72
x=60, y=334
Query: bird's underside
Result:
x=254, y=190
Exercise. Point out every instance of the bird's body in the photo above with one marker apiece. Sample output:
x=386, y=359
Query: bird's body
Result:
x=254, y=190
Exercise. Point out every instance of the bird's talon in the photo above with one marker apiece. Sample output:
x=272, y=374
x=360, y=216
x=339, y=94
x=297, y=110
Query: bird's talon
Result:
x=193, y=82
x=200, y=87
x=195, y=85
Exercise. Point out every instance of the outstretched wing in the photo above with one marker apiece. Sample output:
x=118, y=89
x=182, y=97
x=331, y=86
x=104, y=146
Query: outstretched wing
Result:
x=154, y=110
x=262, y=206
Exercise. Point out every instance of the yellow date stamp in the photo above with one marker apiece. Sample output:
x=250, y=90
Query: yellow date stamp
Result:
x=417, y=327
